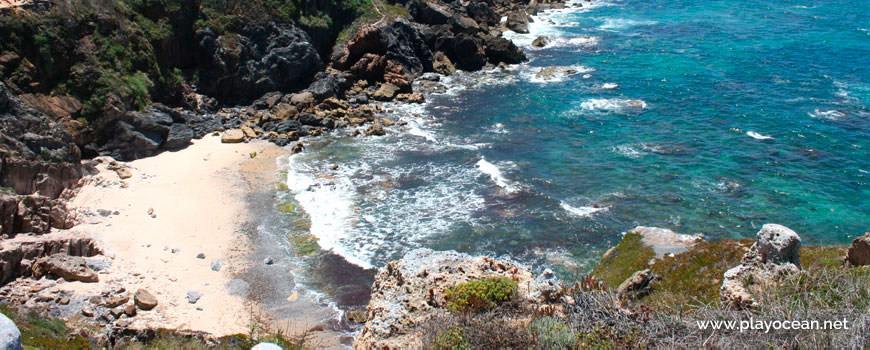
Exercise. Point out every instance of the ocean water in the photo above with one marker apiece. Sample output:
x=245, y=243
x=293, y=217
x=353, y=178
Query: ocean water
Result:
x=710, y=117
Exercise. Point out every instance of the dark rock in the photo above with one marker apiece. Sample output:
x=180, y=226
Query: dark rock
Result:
x=368, y=54
x=540, y=41
x=310, y=119
x=499, y=50
x=179, y=137
x=327, y=85
x=260, y=59
x=469, y=52
x=518, y=21
x=200, y=256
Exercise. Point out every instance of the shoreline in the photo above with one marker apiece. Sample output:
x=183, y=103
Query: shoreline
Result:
x=197, y=198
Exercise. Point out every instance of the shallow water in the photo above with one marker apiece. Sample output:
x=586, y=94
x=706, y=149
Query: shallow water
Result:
x=699, y=116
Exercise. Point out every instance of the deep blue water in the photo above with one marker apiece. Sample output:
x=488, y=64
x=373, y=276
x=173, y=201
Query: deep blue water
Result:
x=709, y=117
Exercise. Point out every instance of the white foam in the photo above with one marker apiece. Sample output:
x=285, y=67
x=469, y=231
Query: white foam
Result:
x=609, y=86
x=495, y=174
x=614, y=105
x=830, y=114
x=758, y=136
x=329, y=205
x=614, y=24
x=582, y=212
x=630, y=151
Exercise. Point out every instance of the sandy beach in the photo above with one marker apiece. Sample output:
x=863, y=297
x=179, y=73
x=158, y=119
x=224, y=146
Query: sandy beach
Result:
x=197, y=198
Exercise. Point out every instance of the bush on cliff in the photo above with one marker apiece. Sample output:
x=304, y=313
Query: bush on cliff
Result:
x=480, y=295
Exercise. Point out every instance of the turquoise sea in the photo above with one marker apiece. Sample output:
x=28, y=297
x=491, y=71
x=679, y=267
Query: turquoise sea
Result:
x=710, y=117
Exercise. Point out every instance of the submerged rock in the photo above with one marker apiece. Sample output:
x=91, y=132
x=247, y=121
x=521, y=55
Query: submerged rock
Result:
x=541, y=41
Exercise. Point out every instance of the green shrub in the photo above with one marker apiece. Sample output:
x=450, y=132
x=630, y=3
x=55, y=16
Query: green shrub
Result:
x=551, y=334
x=452, y=339
x=480, y=295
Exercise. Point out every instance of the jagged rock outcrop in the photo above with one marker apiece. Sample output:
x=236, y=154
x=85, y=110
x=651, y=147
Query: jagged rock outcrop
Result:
x=36, y=154
x=409, y=292
x=859, y=252
x=238, y=69
x=32, y=214
x=395, y=53
x=774, y=254
x=17, y=255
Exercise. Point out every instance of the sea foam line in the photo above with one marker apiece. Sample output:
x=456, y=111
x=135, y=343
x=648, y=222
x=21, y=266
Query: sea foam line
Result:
x=758, y=136
x=495, y=174
x=582, y=212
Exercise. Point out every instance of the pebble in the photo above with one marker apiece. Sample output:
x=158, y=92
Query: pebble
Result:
x=200, y=256
x=193, y=296
x=216, y=265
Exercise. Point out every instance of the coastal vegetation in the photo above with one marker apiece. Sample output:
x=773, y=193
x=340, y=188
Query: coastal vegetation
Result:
x=686, y=293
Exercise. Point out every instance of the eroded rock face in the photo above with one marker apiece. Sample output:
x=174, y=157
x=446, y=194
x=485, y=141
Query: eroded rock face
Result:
x=408, y=292
x=36, y=154
x=859, y=251
x=369, y=53
x=262, y=58
x=775, y=254
x=17, y=255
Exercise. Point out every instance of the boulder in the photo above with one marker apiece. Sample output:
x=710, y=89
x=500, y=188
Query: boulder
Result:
x=193, y=296
x=375, y=130
x=116, y=300
x=302, y=98
x=499, y=50
x=540, y=41
x=775, y=254
x=555, y=72
x=859, y=251
x=442, y=65
x=386, y=92
x=411, y=98
x=518, y=21
x=777, y=244
x=469, y=52
x=144, y=300
x=638, y=284
x=179, y=136
x=134, y=135
x=70, y=268
x=10, y=336
x=233, y=136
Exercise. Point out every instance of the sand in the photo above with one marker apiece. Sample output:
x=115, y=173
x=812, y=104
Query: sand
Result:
x=198, y=200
